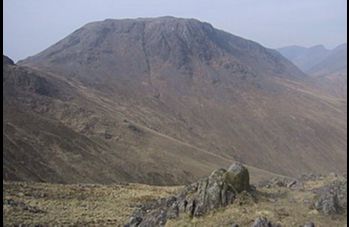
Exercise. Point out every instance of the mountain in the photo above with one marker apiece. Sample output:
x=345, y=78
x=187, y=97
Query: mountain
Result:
x=335, y=62
x=327, y=67
x=317, y=60
x=151, y=95
x=305, y=58
x=331, y=73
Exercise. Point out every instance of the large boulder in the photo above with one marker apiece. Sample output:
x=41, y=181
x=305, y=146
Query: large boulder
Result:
x=215, y=191
x=208, y=194
x=218, y=190
x=262, y=222
x=331, y=199
x=328, y=204
x=238, y=177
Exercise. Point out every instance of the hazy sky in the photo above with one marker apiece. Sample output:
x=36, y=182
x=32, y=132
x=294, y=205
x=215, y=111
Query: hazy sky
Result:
x=30, y=26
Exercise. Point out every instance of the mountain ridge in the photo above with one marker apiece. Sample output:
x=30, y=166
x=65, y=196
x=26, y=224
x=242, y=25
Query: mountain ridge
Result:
x=196, y=84
x=328, y=71
x=308, y=58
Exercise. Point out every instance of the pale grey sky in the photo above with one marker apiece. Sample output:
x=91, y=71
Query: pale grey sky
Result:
x=31, y=26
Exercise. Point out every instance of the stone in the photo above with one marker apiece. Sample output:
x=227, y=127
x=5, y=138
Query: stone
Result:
x=134, y=221
x=173, y=211
x=310, y=224
x=289, y=185
x=238, y=177
x=327, y=204
x=211, y=193
x=331, y=198
x=261, y=222
x=215, y=191
x=155, y=218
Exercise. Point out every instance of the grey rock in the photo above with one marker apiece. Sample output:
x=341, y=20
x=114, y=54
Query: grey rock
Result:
x=281, y=182
x=261, y=222
x=155, y=218
x=310, y=224
x=173, y=211
x=134, y=221
x=238, y=176
x=218, y=190
x=289, y=185
x=327, y=204
x=331, y=198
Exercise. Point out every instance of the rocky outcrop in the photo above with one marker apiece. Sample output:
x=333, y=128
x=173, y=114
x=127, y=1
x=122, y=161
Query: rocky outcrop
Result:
x=282, y=182
x=327, y=204
x=331, y=199
x=218, y=190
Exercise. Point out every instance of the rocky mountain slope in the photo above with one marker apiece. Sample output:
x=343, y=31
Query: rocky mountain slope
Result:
x=136, y=99
x=45, y=133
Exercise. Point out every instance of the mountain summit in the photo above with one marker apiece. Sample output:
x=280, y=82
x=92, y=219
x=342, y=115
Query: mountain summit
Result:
x=145, y=45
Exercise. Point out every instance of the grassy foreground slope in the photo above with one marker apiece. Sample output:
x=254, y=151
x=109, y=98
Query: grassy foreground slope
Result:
x=93, y=204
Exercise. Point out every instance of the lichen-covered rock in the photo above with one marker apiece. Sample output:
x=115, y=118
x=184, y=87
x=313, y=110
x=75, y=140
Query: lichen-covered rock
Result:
x=238, y=177
x=332, y=198
x=134, y=221
x=155, y=218
x=211, y=193
x=327, y=204
x=218, y=190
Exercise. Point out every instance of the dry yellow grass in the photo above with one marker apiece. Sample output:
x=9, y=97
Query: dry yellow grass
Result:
x=77, y=204
x=112, y=205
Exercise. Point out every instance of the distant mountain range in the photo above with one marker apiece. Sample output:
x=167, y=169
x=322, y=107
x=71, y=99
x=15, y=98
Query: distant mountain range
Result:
x=328, y=67
x=164, y=101
x=317, y=60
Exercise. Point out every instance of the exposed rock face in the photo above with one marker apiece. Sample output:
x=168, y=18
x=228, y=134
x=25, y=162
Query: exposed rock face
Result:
x=217, y=190
x=327, y=204
x=332, y=198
